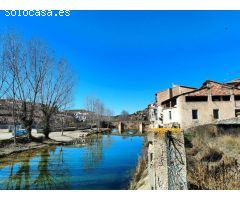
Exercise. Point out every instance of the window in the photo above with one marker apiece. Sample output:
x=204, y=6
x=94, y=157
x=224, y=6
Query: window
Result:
x=215, y=113
x=216, y=98
x=237, y=97
x=221, y=98
x=151, y=157
x=155, y=113
x=170, y=115
x=174, y=102
x=226, y=98
x=237, y=113
x=167, y=105
x=194, y=114
x=196, y=98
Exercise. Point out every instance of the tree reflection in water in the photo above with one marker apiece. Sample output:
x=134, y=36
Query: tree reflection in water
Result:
x=93, y=153
x=45, y=179
x=52, y=176
x=108, y=141
x=19, y=179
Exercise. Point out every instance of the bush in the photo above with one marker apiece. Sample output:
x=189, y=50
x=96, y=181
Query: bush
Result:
x=223, y=176
x=188, y=137
x=212, y=155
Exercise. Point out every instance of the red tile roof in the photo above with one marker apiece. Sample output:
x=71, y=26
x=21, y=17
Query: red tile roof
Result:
x=216, y=89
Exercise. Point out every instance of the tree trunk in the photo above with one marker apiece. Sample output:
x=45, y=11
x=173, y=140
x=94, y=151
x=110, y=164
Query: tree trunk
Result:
x=62, y=126
x=29, y=131
x=46, y=126
x=14, y=132
x=14, y=122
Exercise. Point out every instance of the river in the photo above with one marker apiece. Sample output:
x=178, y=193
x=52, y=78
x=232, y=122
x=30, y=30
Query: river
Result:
x=107, y=163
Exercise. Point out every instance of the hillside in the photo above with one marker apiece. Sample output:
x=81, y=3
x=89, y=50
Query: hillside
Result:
x=141, y=115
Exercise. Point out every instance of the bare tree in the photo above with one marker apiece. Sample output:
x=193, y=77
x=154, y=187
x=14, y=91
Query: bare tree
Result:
x=13, y=59
x=63, y=121
x=56, y=92
x=99, y=113
x=64, y=116
x=108, y=115
x=30, y=79
x=124, y=115
x=27, y=65
x=90, y=106
x=96, y=110
x=3, y=74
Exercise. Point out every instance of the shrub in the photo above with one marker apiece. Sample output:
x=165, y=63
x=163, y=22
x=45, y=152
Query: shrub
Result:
x=211, y=155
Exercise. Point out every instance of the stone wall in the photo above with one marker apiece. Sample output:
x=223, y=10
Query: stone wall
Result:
x=162, y=96
x=171, y=92
x=166, y=162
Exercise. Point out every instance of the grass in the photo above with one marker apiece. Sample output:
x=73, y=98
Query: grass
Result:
x=211, y=155
x=231, y=143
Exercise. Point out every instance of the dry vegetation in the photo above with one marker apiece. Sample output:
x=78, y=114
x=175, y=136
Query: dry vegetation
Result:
x=140, y=174
x=213, y=159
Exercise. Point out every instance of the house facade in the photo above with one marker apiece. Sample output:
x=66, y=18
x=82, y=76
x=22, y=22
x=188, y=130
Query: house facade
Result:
x=186, y=107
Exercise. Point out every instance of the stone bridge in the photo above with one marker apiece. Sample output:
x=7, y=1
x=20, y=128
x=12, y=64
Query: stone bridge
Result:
x=166, y=162
x=128, y=125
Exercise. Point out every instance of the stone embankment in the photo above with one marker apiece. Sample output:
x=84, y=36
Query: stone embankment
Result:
x=165, y=164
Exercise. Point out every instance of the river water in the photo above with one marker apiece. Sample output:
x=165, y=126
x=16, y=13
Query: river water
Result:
x=106, y=163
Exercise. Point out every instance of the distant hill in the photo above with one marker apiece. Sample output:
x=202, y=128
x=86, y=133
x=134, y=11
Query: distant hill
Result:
x=141, y=115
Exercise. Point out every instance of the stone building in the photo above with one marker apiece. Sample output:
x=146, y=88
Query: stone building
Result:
x=186, y=107
x=156, y=110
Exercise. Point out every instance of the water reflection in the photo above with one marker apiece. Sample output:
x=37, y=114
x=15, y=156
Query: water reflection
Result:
x=53, y=171
x=45, y=179
x=19, y=173
x=106, y=163
x=125, y=132
x=21, y=176
x=93, y=153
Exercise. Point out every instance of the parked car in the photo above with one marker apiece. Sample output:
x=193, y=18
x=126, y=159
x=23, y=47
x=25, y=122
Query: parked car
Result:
x=20, y=132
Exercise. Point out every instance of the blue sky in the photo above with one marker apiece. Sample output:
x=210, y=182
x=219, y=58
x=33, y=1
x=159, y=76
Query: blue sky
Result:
x=125, y=57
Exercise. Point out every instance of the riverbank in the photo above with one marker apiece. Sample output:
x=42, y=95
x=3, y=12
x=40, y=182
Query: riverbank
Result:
x=8, y=147
x=140, y=178
x=12, y=148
